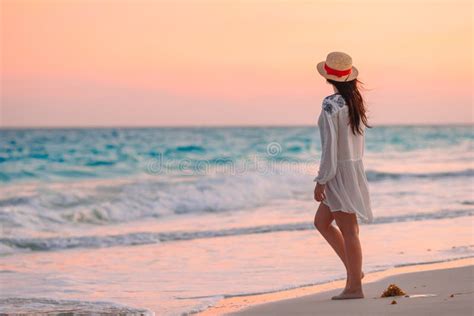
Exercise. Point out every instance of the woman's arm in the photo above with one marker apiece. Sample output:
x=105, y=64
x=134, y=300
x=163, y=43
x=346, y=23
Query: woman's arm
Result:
x=329, y=130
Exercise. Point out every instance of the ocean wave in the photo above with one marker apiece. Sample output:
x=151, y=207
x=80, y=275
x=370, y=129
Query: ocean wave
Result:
x=114, y=202
x=48, y=306
x=143, y=238
x=373, y=175
x=111, y=201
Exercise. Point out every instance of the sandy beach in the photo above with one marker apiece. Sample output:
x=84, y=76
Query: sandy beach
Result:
x=444, y=288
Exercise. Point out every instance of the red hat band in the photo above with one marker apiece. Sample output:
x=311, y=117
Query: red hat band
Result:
x=335, y=72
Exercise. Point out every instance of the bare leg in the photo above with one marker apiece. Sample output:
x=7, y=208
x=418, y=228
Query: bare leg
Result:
x=322, y=222
x=350, y=231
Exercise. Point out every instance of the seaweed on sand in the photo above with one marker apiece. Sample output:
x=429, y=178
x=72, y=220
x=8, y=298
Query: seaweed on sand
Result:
x=393, y=290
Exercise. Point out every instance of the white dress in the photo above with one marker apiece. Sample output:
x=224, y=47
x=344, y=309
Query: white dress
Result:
x=341, y=167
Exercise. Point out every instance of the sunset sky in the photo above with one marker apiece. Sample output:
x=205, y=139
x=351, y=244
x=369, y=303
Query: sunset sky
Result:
x=167, y=63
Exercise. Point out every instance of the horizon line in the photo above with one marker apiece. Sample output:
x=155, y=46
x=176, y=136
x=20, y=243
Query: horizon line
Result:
x=217, y=126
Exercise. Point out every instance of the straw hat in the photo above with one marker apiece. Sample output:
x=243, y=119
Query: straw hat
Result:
x=338, y=67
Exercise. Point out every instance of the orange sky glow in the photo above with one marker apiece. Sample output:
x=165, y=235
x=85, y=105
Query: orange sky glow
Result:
x=169, y=63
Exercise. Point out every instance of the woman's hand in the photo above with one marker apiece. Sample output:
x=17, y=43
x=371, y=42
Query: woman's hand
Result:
x=319, y=194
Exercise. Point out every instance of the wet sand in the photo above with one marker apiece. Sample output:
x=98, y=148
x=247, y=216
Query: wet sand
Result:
x=444, y=288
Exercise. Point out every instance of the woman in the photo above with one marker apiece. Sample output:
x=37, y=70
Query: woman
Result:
x=341, y=184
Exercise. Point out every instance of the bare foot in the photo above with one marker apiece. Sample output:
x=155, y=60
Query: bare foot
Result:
x=361, y=277
x=349, y=294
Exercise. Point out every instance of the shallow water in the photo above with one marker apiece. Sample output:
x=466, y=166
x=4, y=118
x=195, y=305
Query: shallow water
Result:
x=175, y=219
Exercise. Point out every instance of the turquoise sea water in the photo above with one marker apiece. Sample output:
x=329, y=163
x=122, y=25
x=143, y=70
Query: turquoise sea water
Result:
x=71, y=154
x=157, y=193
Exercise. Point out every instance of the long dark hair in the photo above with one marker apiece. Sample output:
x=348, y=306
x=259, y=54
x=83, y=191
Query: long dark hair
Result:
x=349, y=90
